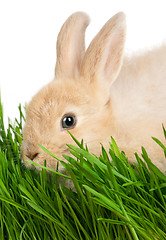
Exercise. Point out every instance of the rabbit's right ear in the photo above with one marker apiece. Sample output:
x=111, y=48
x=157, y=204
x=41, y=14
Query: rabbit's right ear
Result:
x=103, y=58
x=71, y=45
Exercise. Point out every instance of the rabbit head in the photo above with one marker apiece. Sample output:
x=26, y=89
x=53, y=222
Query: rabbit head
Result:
x=78, y=99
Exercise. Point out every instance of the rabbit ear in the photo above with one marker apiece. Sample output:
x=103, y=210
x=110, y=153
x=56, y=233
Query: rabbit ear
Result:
x=103, y=57
x=71, y=45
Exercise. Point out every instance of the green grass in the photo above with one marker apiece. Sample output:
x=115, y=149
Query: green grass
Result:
x=111, y=200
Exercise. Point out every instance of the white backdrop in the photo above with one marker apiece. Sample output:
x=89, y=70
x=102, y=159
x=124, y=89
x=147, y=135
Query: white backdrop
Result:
x=28, y=32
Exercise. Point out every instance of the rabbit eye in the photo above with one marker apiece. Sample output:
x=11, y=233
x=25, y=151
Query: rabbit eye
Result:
x=68, y=121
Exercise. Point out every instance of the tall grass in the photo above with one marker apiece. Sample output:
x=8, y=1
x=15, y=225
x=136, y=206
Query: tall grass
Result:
x=111, y=199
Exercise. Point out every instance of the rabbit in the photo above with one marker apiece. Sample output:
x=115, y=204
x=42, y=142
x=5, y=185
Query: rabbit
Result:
x=96, y=94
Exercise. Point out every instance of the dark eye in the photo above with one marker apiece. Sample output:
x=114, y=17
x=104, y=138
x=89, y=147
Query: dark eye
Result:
x=68, y=121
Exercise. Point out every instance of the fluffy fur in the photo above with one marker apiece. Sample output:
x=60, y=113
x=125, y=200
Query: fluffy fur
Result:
x=111, y=95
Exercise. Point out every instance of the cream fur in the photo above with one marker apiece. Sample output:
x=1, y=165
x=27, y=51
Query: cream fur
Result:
x=110, y=95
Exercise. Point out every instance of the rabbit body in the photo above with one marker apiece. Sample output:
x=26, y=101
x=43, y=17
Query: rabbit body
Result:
x=138, y=96
x=107, y=93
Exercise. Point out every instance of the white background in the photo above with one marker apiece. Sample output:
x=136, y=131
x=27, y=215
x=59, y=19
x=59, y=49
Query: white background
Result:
x=29, y=29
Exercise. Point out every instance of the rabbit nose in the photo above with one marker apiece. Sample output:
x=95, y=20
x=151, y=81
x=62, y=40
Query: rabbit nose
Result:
x=30, y=150
x=32, y=156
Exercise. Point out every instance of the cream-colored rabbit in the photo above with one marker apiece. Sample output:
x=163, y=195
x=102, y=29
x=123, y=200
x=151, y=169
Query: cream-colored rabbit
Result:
x=98, y=93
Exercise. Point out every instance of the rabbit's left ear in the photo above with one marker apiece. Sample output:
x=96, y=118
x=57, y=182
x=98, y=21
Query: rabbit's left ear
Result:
x=71, y=45
x=103, y=58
